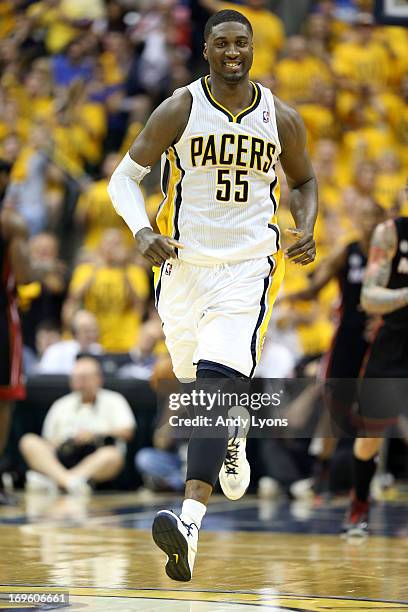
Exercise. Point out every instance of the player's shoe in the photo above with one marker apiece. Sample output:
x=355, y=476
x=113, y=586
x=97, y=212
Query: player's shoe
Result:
x=356, y=522
x=179, y=541
x=235, y=473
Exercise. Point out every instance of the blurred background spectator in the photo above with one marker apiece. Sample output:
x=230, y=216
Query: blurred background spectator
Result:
x=143, y=356
x=59, y=356
x=42, y=301
x=84, y=435
x=113, y=289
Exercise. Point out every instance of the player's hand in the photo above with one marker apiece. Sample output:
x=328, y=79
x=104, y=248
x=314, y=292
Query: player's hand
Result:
x=155, y=247
x=303, y=250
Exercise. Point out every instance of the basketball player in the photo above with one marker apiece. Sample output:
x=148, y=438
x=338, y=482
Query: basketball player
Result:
x=350, y=343
x=15, y=267
x=222, y=136
x=385, y=292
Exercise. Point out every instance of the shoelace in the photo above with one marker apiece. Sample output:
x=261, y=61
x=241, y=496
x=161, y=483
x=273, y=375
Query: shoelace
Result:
x=231, y=460
x=189, y=527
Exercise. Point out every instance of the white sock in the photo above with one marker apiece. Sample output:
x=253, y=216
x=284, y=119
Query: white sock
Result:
x=193, y=512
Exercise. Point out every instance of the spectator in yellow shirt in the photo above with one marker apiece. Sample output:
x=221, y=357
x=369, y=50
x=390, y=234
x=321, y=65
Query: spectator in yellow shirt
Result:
x=395, y=39
x=300, y=73
x=396, y=113
x=269, y=34
x=113, y=290
x=365, y=140
x=95, y=213
x=360, y=190
x=325, y=163
x=320, y=115
x=35, y=97
x=78, y=129
x=390, y=179
x=64, y=19
x=337, y=28
x=7, y=18
x=319, y=35
x=11, y=118
x=362, y=61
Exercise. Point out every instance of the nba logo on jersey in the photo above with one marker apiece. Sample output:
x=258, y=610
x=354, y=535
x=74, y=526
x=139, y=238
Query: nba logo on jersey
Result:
x=168, y=269
x=266, y=116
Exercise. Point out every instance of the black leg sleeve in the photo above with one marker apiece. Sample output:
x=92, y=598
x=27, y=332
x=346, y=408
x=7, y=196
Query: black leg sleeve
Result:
x=206, y=454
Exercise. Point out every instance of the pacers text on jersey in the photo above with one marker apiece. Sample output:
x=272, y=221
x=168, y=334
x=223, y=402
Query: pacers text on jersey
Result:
x=232, y=150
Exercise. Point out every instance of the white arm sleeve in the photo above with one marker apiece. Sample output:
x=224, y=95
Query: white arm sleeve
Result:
x=126, y=195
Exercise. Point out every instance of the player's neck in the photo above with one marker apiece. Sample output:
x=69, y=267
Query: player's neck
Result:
x=235, y=97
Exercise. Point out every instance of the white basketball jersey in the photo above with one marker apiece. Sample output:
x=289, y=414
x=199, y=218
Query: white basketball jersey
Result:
x=219, y=182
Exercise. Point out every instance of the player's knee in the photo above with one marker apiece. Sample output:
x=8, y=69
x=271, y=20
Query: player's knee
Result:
x=367, y=448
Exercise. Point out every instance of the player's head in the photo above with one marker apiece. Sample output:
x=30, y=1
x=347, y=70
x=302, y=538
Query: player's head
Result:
x=228, y=45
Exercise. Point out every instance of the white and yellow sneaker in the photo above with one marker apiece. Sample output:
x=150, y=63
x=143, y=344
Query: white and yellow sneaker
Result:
x=179, y=541
x=235, y=474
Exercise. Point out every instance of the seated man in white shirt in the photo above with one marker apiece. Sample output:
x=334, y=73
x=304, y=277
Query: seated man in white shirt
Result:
x=60, y=357
x=84, y=433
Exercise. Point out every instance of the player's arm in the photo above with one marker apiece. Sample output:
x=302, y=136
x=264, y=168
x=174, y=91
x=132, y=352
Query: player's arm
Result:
x=16, y=234
x=164, y=128
x=327, y=270
x=301, y=180
x=376, y=298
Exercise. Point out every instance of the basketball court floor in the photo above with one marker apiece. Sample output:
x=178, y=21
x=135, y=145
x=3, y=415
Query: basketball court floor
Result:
x=253, y=555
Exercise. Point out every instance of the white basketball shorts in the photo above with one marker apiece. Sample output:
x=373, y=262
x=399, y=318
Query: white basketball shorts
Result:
x=218, y=313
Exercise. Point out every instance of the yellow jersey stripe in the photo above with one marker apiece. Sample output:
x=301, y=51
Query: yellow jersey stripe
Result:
x=165, y=216
x=276, y=281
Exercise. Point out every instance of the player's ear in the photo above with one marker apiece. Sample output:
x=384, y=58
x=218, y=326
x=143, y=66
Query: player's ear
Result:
x=205, y=52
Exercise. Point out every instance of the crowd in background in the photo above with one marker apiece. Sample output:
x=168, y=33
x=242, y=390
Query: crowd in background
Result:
x=77, y=82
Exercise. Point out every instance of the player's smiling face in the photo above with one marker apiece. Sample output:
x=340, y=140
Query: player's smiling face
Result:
x=229, y=50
